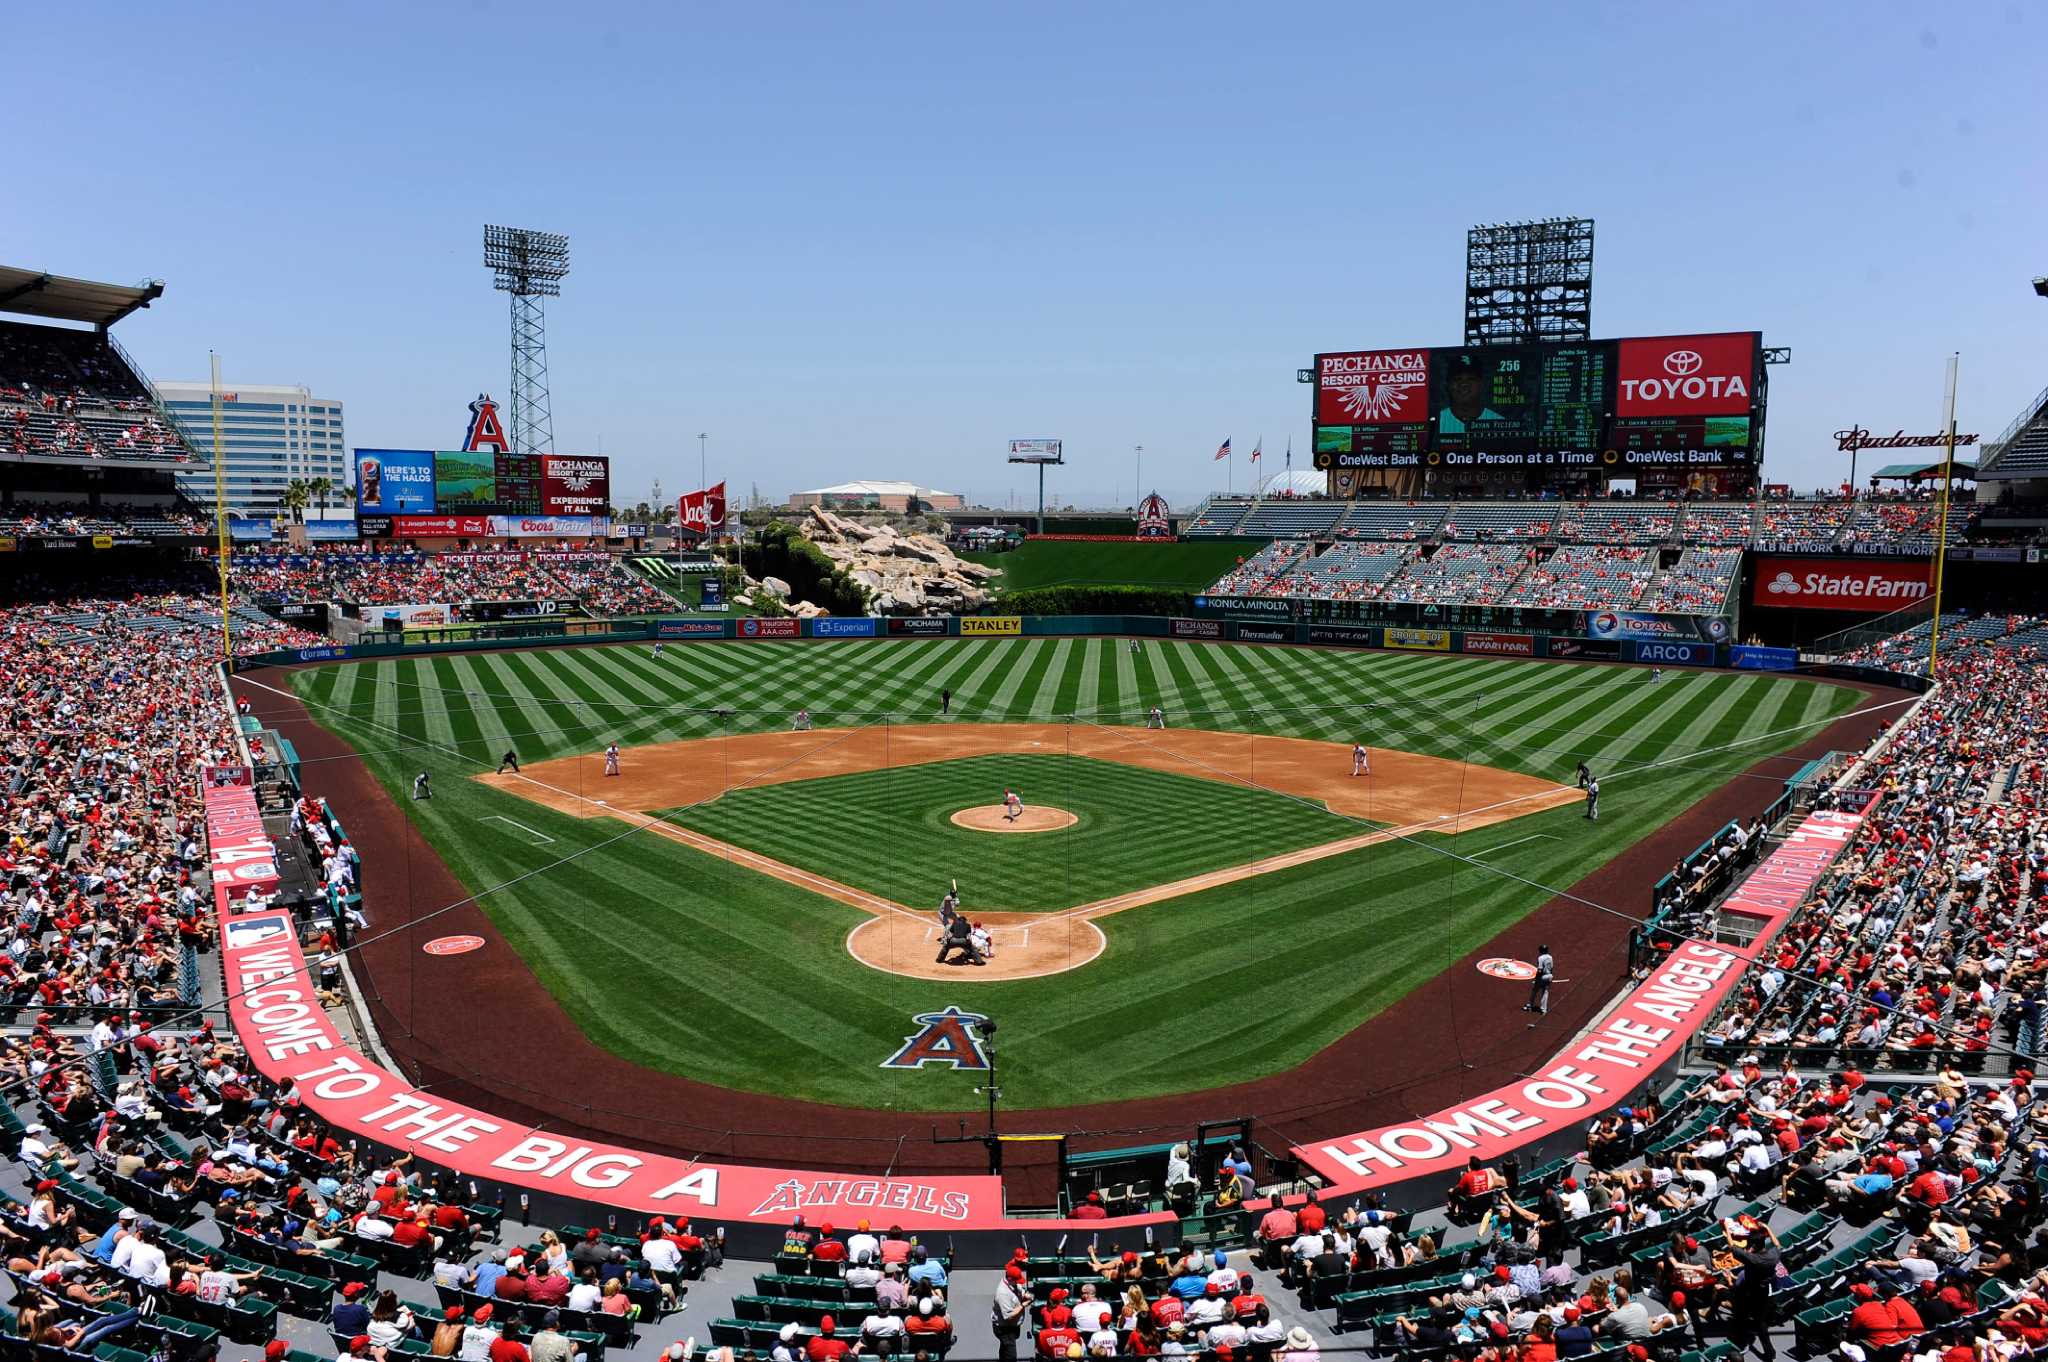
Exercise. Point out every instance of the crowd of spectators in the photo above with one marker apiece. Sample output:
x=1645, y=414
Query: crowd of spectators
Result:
x=1697, y=584
x=66, y=392
x=24, y=519
x=592, y=581
x=1584, y=578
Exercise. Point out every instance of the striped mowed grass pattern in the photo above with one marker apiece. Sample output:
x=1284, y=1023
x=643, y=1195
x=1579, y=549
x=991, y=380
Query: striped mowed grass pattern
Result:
x=610, y=923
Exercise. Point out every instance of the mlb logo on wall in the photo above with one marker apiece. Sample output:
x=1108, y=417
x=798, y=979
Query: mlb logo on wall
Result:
x=950, y=1039
x=257, y=931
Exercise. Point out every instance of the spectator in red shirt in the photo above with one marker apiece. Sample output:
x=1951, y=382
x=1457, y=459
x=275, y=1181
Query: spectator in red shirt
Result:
x=825, y=1347
x=1311, y=1218
x=828, y=1249
x=1091, y=1208
x=1059, y=1333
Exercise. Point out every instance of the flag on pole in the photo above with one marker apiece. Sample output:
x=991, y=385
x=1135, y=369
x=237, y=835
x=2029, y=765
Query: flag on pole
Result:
x=1223, y=450
x=1258, y=445
x=1290, y=452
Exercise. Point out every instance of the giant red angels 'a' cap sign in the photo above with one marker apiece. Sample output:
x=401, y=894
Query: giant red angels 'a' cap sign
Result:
x=703, y=512
x=1154, y=517
x=485, y=430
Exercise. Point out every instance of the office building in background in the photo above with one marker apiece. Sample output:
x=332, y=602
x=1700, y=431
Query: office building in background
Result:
x=270, y=436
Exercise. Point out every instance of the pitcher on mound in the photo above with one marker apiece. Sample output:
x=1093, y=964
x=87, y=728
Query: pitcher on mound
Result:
x=1013, y=807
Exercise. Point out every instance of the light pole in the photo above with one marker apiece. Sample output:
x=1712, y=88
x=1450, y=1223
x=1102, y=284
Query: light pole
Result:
x=703, y=480
x=1138, y=478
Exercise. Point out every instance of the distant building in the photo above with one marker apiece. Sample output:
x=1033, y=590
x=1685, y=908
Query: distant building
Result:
x=886, y=496
x=270, y=436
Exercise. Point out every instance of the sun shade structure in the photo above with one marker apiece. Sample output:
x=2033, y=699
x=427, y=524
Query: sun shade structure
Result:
x=37, y=293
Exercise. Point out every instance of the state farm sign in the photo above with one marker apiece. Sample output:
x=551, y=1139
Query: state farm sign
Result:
x=1372, y=387
x=1687, y=375
x=1839, y=583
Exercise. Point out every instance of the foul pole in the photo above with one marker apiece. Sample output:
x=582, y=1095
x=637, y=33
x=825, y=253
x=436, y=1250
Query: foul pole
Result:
x=1948, y=471
x=224, y=543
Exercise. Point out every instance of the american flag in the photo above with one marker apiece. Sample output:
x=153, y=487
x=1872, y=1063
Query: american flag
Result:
x=1223, y=450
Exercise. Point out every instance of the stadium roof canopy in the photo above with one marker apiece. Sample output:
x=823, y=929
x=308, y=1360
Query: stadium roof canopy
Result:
x=34, y=293
x=875, y=489
x=1914, y=472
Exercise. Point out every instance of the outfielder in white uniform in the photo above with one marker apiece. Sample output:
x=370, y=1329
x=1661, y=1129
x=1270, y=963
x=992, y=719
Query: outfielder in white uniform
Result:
x=1013, y=807
x=1361, y=763
x=1156, y=719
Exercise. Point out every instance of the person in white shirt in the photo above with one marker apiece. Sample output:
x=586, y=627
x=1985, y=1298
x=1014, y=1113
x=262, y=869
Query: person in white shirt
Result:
x=862, y=1241
x=1090, y=1313
x=477, y=1337
x=863, y=1274
x=1205, y=1310
x=586, y=1294
x=662, y=1255
x=139, y=1257
x=374, y=1227
x=881, y=1331
x=1227, y=1334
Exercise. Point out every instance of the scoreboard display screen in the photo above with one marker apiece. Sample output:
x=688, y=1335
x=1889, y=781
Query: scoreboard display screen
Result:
x=1520, y=397
x=1641, y=401
x=518, y=484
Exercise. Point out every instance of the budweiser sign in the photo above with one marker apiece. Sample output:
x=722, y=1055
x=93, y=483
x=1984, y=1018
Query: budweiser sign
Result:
x=1839, y=584
x=1856, y=437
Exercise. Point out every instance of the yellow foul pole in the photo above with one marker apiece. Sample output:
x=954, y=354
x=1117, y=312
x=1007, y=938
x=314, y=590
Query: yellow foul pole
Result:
x=223, y=541
x=1948, y=470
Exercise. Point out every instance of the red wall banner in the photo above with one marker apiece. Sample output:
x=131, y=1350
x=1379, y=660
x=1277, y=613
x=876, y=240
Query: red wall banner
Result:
x=1640, y=1035
x=1686, y=375
x=276, y=1011
x=474, y=526
x=1501, y=645
x=1839, y=583
x=749, y=626
x=239, y=854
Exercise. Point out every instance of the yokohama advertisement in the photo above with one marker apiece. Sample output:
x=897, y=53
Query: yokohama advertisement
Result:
x=1501, y=645
x=1839, y=583
x=575, y=484
x=1612, y=1060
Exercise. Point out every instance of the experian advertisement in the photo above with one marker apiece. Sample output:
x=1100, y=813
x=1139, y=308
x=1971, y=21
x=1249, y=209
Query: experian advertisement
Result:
x=395, y=481
x=826, y=627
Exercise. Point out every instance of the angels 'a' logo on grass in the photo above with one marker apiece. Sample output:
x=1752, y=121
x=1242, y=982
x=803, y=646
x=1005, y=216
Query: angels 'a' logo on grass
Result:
x=949, y=1038
x=1500, y=967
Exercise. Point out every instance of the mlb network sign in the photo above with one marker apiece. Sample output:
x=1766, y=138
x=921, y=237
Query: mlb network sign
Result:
x=1839, y=584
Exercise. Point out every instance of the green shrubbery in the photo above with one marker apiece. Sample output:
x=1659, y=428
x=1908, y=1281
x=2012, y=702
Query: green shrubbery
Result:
x=780, y=550
x=1096, y=600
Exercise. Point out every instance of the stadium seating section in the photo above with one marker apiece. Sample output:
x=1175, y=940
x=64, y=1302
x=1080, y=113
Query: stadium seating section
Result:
x=66, y=393
x=594, y=582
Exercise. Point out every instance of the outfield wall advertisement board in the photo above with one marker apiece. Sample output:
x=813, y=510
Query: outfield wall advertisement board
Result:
x=1675, y=654
x=991, y=626
x=691, y=629
x=829, y=627
x=750, y=627
x=1608, y=1063
x=919, y=626
x=1840, y=584
x=1499, y=645
x=1423, y=640
x=1180, y=628
x=394, y=482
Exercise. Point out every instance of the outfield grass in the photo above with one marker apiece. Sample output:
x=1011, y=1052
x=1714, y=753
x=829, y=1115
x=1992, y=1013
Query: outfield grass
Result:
x=1190, y=566
x=645, y=918
x=1121, y=842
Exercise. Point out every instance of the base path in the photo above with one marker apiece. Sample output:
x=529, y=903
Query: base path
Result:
x=1412, y=792
x=995, y=818
x=1406, y=788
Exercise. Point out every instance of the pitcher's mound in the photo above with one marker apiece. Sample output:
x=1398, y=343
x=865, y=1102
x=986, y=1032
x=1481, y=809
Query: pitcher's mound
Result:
x=1035, y=818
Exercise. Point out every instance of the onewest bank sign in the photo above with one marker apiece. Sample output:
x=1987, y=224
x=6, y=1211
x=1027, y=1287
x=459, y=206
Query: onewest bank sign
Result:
x=1643, y=1033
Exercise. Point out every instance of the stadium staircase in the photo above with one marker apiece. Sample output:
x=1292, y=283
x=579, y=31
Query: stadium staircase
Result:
x=2021, y=450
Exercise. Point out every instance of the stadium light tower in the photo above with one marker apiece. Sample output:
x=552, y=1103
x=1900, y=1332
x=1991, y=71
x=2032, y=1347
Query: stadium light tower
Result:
x=530, y=266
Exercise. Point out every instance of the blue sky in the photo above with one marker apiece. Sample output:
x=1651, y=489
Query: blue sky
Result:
x=877, y=241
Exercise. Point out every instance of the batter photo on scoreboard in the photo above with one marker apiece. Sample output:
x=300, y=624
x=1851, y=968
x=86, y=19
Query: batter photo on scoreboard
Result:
x=1469, y=384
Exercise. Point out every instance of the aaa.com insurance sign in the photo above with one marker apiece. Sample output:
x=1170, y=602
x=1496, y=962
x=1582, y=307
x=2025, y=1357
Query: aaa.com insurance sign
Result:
x=1839, y=583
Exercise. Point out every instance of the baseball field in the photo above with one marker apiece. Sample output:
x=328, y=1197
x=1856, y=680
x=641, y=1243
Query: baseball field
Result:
x=750, y=907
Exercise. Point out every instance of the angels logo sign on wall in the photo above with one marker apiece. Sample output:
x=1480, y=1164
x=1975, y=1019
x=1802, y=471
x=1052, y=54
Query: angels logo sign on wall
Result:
x=1155, y=520
x=950, y=1039
x=485, y=430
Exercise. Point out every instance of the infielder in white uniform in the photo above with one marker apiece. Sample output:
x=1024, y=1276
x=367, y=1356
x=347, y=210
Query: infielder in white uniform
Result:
x=1013, y=807
x=802, y=722
x=1361, y=764
x=611, y=760
x=1156, y=719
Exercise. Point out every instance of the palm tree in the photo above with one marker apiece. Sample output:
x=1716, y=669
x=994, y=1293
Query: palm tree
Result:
x=297, y=493
x=321, y=489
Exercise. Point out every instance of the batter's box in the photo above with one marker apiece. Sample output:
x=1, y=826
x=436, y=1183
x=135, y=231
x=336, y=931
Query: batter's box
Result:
x=1019, y=937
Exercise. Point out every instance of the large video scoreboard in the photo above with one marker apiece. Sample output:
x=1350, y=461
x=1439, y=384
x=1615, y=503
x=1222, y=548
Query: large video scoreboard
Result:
x=1663, y=402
